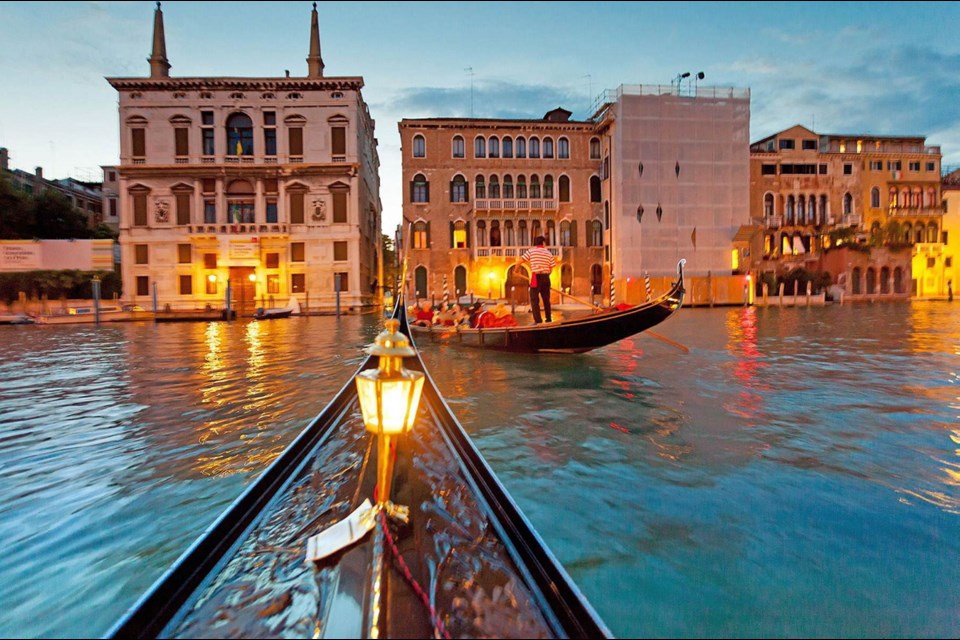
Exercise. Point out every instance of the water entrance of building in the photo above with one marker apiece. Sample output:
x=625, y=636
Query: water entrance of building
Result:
x=243, y=288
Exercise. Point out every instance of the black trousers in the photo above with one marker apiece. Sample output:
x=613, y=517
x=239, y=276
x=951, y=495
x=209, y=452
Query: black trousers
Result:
x=541, y=291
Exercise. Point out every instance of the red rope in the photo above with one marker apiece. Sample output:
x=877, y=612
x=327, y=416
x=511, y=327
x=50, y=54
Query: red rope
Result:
x=438, y=625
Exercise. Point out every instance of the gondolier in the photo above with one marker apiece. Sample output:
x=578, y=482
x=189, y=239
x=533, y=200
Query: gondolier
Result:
x=541, y=263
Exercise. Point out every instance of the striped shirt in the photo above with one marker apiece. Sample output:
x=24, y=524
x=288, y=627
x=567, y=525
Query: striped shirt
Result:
x=540, y=259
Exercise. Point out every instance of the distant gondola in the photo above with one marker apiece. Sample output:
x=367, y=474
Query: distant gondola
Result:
x=481, y=569
x=576, y=335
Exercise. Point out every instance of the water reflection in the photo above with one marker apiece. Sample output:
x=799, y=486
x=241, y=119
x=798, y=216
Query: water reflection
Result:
x=794, y=474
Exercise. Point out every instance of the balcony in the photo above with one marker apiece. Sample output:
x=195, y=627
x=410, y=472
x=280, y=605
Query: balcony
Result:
x=514, y=204
x=903, y=212
x=238, y=229
x=511, y=253
x=773, y=222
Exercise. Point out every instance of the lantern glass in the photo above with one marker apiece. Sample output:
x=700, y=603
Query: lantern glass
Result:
x=389, y=403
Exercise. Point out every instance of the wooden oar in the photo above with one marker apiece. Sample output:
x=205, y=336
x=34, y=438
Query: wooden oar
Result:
x=596, y=308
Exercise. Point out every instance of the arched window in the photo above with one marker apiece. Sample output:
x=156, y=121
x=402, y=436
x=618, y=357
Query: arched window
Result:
x=893, y=197
x=458, y=236
x=898, y=280
x=239, y=135
x=875, y=198
x=907, y=232
x=824, y=209
x=419, y=189
x=768, y=205
x=563, y=149
x=534, y=148
x=523, y=235
x=856, y=281
x=479, y=147
x=495, y=239
x=420, y=282
x=458, y=189
x=789, y=211
x=594, y=148
x=522, y=187
x=596, y=279
x=566, y=277
x=847, y=204
x=548, y=186
x=460, y=280
x=507, y=147
x=482, y=233
x=931, y=198
x=551, y=233
x=458, y=150
x=565, y=235
x=812, y=210
x=494, y=188
x=564, y=189
x=534, y=187
x=606, y=215
x=419, y=146
x=871, y=280
x=594, y=233
x=480, y=188
x=931, y=232
x=511, y=234
x=421, y=235
x=521, y=148
x=548, y=147
x=595, y=194
x=885, y=280
x=493, y=147
x=508, y=187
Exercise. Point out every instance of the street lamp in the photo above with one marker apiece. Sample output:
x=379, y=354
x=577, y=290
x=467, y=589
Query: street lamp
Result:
x=389, y=396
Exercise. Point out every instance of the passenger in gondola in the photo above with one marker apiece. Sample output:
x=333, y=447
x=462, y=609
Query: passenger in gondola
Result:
x=445, y=316
x=499, y=316
x=473, y=314
x=425, y=315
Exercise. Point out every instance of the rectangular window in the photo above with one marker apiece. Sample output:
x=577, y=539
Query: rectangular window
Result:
x=207, y=141
x=273, y=283
x=296, y=141
x=822, y=169
x=209, y=261
x=338, y=141
x=914, y=166
x=113, y=207
x=180, y=142
x=339, y=206
x=272, y=261
x=140, y=210
x=271, y=211
x=894, y=165
x=211, y=285
x=298, y=283
x=296, y=207
x=848, y=169
x=183, y=208
x=269, y=133
x=139, y=139
x=296, y=252
x=787, y=143
x=140, y=254
x=143, y=286
x=339, y=251
x=931, y=263
x=186, y=285
x=876, y=165
x=809, y=145
x=931, y=166
x=344, y=284
x=765, y=170
x=184, y=253
x=209, y=211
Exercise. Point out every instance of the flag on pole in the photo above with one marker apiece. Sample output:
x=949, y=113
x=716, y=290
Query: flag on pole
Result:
x=646, y=282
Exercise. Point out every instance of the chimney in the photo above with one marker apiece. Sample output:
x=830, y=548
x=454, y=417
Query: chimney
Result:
x=39, y=173
x=4, y=159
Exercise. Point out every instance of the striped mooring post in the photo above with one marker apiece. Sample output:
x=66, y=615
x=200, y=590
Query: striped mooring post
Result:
x=446, y=293
x=646, y=283
x=613, y=291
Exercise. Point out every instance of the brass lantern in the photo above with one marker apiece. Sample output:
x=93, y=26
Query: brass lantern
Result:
x=389, y=396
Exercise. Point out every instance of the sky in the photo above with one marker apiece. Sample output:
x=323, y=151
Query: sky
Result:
x=871, y=68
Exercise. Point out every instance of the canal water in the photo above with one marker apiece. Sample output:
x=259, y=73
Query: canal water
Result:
x=793, y=473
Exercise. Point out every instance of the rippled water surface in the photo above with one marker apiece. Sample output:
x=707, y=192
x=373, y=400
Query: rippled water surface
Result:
x=795, y=473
